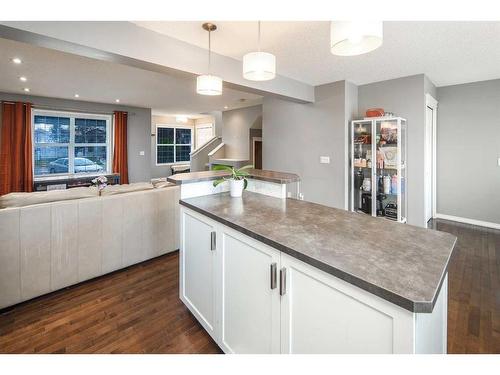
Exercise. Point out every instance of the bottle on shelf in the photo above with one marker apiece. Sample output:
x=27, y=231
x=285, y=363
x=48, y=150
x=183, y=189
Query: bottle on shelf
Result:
x=387, y=184
x=394, y=184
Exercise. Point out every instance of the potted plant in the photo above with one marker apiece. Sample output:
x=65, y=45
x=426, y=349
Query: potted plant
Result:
x=237, y=180
x=100, y=182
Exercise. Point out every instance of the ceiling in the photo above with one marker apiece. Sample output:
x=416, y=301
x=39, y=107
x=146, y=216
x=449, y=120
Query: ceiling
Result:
x=447, y=52
x=61, y=75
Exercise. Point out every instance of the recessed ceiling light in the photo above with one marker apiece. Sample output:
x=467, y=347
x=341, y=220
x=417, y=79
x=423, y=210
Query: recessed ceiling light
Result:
x=17, y=60
x=26, y=89
x=226, y=107
x=23, y=79
x=117, y=100
x=77, y=95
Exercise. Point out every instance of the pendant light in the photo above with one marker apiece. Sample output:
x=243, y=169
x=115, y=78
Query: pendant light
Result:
x=259, y=66
x=350, y=38
x=208, y=84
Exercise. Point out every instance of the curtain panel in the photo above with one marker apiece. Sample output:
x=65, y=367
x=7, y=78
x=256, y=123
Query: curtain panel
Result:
x=16, y=151
x=120, y=164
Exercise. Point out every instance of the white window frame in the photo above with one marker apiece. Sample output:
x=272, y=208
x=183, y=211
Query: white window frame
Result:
x=71, y=145
x=170, y=126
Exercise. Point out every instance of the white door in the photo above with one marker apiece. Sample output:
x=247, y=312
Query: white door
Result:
x=429, y=157
x=197, y=268
x=250, y=303
x=321, y=314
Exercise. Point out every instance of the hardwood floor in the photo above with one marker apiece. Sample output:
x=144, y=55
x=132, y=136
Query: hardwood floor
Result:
x=137, y=310
x=474, y=289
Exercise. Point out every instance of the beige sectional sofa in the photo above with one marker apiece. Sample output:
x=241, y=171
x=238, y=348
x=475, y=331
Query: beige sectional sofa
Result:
x=48, y=246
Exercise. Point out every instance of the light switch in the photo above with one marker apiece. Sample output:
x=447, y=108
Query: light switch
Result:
x=324, y=159
x=141, y=153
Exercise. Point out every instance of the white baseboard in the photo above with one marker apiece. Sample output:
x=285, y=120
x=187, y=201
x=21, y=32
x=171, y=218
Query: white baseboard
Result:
x=468, y=221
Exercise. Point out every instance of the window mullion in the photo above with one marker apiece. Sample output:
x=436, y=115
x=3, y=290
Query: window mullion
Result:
x=71, y=148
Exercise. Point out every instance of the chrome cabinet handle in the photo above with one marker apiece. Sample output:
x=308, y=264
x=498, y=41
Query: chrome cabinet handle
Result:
x=282, y=281
x=213, y=243
x=274, y=280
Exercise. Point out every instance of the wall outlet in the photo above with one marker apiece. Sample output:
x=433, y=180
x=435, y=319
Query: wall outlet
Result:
x=141, y=153
x=324, y=159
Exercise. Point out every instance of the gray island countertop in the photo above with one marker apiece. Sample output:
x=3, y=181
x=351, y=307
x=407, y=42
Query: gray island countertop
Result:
x=400, y=263
x=256, y=174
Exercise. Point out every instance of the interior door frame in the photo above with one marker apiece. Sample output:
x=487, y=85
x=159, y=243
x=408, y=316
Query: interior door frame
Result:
x=432, y=103
x=254, y=139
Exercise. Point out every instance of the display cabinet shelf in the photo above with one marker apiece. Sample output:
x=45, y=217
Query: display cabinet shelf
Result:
x=378, y=167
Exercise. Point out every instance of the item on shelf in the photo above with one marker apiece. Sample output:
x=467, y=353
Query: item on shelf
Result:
x=388, y=114
x=358, y=179
x=367, y=184
x=388, y=133
x=390, y=157
x=394, y=184
x=366, y=203
x=364, y=139
x=360, y=163
x=391, y=211
x=368, y=163
x=380, y=204
x=380, y=159
x=375, y=112
x=387, y=184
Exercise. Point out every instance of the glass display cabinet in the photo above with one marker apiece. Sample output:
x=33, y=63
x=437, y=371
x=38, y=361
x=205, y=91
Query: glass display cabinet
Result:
x=378, y=167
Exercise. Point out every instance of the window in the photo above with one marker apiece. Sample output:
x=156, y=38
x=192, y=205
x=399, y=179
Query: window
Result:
x=173, y=144
x=204, y=133
x=70, y=143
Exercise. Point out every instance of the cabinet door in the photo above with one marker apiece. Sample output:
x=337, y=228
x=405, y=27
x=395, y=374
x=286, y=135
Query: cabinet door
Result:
x=249, y=295
x=197, y=268
x=322, y=314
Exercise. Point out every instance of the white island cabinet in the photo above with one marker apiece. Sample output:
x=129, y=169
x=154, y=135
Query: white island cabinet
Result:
x=253, y=298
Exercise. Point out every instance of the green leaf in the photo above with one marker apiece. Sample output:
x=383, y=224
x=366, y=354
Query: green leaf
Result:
x=217, y=182
x=245, y=167
x=220, y=167
x=245, y=183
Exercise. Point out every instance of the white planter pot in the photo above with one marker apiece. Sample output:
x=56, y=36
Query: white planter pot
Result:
x=236, y=188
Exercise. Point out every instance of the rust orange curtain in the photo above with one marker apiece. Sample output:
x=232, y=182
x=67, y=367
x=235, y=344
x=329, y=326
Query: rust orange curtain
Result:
x=120, y=149
x=16, y=160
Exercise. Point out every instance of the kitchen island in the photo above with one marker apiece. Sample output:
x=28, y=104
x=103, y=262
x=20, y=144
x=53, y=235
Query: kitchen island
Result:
x=271, y=275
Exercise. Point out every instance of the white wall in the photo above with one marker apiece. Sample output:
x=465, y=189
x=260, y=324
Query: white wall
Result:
x=236, y=130
x=296, y=135
x=468, y=147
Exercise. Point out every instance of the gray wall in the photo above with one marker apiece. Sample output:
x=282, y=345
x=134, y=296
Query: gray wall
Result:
x=406, y=98
x=236, y=130
x=468, y=146
x=139, y=125
x=296, y=135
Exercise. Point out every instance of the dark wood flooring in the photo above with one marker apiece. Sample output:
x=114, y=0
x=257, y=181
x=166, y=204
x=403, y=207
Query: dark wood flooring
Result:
x=473, y=288
x=137, y=310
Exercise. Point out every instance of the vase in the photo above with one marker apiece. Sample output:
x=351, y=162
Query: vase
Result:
x=236, y=188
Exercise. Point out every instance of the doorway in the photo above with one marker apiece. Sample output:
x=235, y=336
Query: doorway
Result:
x=257, y=152
x=431, y=105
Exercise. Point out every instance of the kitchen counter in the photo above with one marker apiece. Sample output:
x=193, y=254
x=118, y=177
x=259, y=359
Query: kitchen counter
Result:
x=402, y=264
x=256, y=174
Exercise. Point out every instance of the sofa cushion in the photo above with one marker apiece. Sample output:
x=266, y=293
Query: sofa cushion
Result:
x=126, y=188
x=37, y=197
